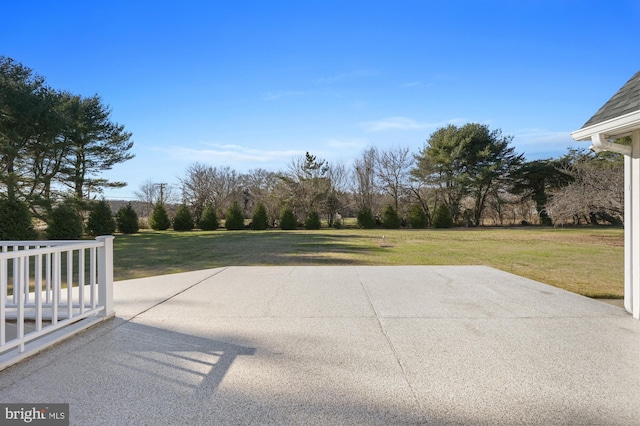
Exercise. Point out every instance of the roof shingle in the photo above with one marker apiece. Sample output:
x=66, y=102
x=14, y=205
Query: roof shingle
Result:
x=625, y=101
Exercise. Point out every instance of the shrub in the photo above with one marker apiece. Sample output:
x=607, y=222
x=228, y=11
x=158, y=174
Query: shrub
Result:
x=442, y=217
x=183, y=220
x=127, y=220
x=417, y=217
x=235, y=218
x=365, y=218
x=260, y=219
x=209, y=219
x=159, y=220
x=15, y=221
x=337, y=224
x=390, y=218
x=288, y=219
x=64, y=223
x=101, y=221
x=312, y=221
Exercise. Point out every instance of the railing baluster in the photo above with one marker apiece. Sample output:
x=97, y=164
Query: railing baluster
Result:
x=15, y=267
x=81, y=279
x=3, y=298
x=93, y=271
x=20, y=287
x=69, y=283
x=56, y=287
x=27, y=277
x=48, y=279
x=38, y=290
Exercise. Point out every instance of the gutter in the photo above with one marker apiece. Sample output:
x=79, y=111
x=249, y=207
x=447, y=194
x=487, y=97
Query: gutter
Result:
x=599, y=144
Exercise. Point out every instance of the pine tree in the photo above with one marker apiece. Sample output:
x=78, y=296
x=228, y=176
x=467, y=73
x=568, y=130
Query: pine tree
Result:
x=183, y=220
x=209, y=219
x=235, y=218
x=288, y=219
x=260, y=220
x=442, y=217
x=101, y=221
x=127, y=220
x=417, y=217
x=365, y=218
x=64, y=223
x=159, y=220
x=312, y=221
x=390, y=218
x=15, y=221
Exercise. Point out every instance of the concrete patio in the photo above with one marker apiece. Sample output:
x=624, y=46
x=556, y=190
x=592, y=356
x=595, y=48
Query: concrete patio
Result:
x=343, y=345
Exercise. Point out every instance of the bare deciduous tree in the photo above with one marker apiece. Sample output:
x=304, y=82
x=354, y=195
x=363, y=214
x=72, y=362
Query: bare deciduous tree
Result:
x=393, y=168
x=262, y=186
x=364, y=173
x=339, y=181
x=597, y=190
x=209, y=185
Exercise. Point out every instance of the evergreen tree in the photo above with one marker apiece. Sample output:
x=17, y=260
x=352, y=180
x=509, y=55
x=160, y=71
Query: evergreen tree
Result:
x=442, y=217
x=390, y=218
x=101, y=221
x=365, y=218
x=183, y=220
x=94, y=143
x=288, y=219
x=312, y=221
x=127, y=220
x=159, y=220
x=468, y=161
x=209, y=219
x=15, y=221
x=417, y=217
x=50, y=138
x=260, y=220
x=235, y=218
x=64, y=223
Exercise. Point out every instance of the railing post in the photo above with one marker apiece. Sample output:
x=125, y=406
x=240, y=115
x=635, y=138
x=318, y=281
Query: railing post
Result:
x=105, y=273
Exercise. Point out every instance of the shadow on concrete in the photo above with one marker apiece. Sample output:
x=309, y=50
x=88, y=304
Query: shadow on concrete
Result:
x=165, y=358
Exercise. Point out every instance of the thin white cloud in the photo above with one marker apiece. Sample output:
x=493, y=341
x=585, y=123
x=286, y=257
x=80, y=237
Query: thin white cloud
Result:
x=397, y=123
x=229, y=153
x=537, y=143
x=414, y=84
x=272, y=96
x=534, y=136
x=403, y=123
x=347, y=76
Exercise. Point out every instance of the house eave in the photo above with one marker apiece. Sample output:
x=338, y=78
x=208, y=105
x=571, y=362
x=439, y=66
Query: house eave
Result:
x=613, y=128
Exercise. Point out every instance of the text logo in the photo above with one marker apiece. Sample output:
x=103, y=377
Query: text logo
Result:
x=34, y=414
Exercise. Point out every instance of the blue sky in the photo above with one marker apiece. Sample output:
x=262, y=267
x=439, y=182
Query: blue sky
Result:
x=253, y=84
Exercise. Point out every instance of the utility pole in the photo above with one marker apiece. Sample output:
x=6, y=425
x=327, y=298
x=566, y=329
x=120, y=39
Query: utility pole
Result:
x=161, y=185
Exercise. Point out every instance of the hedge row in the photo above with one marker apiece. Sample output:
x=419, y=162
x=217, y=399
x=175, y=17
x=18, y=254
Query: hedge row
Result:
x=65, y=222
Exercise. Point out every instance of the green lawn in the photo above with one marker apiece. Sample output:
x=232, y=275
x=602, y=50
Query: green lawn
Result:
x=586, y=260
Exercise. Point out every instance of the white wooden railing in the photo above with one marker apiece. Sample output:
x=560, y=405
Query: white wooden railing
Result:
x=50, y=290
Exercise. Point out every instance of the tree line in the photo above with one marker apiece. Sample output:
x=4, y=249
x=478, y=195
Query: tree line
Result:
x=467, y=175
